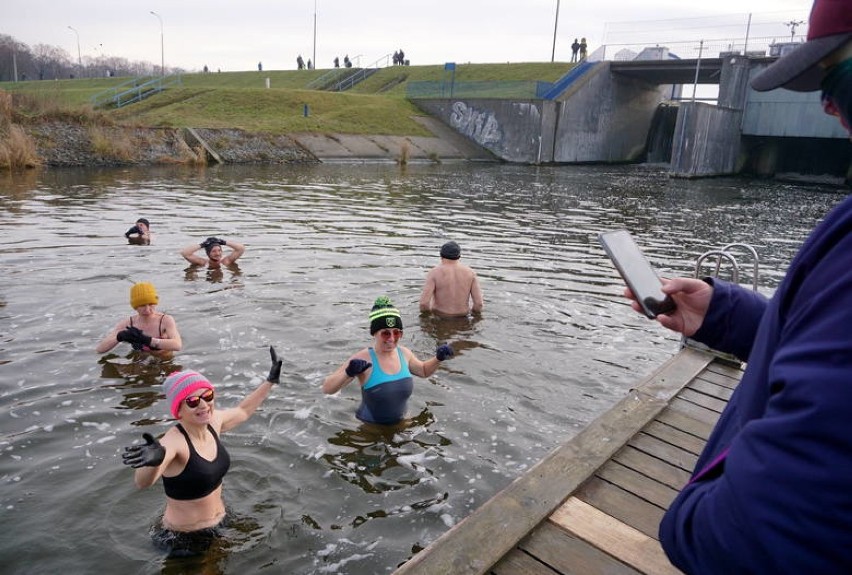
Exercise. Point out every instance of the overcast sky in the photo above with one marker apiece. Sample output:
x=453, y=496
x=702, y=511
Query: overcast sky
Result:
x=237, y=34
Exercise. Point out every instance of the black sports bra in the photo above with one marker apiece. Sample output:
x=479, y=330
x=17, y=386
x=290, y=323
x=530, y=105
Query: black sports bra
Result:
x=200, y=477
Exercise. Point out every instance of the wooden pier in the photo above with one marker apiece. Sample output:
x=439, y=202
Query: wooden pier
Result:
x=594, y=504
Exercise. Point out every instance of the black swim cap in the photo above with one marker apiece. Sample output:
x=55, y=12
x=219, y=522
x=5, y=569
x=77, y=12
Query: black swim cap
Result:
x=143, y=221
x=450, y=251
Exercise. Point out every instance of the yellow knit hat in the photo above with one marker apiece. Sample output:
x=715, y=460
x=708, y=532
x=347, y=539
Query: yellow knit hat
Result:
x=143, y=293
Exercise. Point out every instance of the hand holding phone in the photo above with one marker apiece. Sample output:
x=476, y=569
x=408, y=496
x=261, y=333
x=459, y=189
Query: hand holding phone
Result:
x=637, y=273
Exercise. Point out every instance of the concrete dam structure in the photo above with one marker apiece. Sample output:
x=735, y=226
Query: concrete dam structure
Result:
x=633, y=111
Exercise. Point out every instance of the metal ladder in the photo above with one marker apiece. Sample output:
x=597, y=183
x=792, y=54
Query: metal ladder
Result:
x=724, y=254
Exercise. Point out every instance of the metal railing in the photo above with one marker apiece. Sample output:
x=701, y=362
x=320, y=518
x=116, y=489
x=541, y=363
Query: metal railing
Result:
x=133, y=90
x=362, y=74
x=521, y=89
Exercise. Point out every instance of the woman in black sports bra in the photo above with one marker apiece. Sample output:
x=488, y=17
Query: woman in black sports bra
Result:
x=189, y=457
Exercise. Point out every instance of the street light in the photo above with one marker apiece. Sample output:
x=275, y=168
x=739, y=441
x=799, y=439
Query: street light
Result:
x=555, y=26
x=315, y=33
x=79, y=57
x=792, y=25
x=162, y=46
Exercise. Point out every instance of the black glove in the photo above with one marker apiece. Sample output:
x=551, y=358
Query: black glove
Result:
x=357, y=366
x=275, y=371
x=135, y=337
x=151, y=454
x=444, y=352
x=131, y=231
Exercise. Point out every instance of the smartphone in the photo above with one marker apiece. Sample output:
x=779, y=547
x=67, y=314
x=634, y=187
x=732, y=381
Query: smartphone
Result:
x=637, y=272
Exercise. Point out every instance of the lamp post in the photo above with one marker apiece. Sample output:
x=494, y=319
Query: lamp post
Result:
x=79, y=57
x=792, y=25
x=555, y=26
x=162, y=46
x=315, y=33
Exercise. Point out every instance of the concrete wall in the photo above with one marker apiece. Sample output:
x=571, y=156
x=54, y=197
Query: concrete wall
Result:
x=706, y=140
x=512, y=130
x=784, y=113
x=606, y=119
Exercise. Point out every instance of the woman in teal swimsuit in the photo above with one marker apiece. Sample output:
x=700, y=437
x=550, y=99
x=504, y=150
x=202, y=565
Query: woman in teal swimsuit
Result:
x=384, y=370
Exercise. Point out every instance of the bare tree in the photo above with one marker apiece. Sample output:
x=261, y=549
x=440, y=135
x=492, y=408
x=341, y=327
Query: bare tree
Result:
x=51, y=62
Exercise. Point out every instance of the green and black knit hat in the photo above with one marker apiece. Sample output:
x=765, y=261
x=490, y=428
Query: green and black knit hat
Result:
x=384, y=315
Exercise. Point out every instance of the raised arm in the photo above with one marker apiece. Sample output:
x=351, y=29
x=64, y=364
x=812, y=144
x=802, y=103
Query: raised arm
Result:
x=237, y=250
x=189, y=255
x=235, y=416
x=430, y=366
x=355, y=366
x=150, y=459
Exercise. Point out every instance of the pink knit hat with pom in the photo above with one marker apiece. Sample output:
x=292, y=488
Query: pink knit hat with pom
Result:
x=181, y=384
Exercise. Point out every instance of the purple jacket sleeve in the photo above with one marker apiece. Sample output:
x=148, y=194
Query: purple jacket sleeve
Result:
x=732, y=318
x=772, y=489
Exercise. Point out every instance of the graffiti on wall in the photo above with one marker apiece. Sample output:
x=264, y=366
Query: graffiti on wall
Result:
x=479, y=125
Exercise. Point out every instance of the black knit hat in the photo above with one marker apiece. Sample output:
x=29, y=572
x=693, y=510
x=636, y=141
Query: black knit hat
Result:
x=384, y=315
x=450, y=251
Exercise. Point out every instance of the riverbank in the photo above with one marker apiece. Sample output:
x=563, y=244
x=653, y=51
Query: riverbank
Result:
x=59, y=143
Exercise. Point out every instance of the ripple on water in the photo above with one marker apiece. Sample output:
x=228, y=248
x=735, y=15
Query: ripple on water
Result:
x=311, y=489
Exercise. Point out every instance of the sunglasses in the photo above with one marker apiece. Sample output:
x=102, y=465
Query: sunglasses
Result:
x=391, y=333
x=192, y=402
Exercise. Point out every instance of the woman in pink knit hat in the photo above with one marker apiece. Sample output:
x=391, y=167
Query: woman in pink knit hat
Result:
x=191, y=459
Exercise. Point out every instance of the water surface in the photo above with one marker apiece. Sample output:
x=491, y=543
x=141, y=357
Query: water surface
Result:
x=313, y=491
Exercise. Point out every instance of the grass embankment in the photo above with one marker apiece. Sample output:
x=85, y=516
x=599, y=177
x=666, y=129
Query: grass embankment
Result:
x=241, y=100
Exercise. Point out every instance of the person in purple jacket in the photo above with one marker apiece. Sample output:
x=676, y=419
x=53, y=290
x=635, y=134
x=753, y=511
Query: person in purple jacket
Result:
x=772, y=490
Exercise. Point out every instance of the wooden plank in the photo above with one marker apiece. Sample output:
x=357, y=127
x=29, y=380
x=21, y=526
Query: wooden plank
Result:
x=675, y=436
x=613, y=537
x=664, y=451
x=703, y=400
x=622, y=505
x=517, y=562
x=706, y=387
x=638, y=484
x=567, y=553
x=666, y=382
x=661, y=471
x=727, y=369
x=720, y=379
x=690, y=409
x=682, y=422
x=477, y=542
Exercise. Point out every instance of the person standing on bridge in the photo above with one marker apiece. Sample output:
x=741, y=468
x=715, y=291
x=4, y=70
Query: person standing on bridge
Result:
x=770, y=491
x=583, y=47
x=575, y=47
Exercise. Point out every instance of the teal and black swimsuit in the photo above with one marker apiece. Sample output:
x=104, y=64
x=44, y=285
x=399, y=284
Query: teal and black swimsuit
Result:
x=384, y=397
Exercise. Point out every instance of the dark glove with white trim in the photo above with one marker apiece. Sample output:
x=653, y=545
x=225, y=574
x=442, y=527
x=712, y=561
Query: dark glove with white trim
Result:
x=151, y=454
